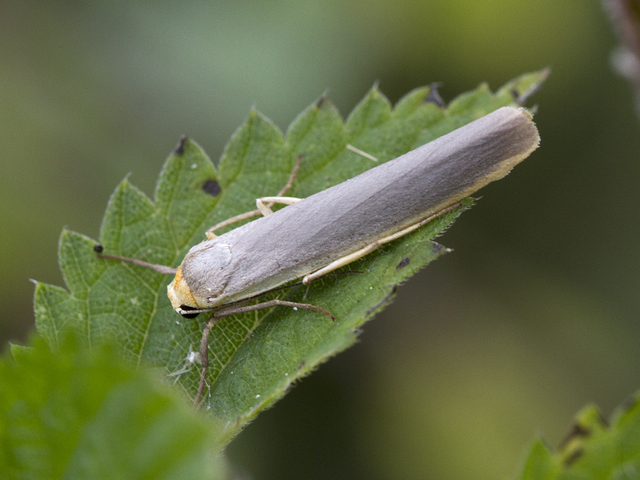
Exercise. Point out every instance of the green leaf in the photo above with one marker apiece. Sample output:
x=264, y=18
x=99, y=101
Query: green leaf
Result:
x=75, y=413
x=255, y=357
x=594, y=449
x=539, y=463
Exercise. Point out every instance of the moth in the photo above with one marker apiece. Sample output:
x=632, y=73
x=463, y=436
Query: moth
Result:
x=314, y=236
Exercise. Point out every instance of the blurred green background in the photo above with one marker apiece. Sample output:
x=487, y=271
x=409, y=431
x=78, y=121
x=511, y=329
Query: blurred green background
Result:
x=533, y=315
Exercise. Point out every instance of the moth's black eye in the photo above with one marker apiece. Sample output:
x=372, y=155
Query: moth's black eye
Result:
x=188, y=315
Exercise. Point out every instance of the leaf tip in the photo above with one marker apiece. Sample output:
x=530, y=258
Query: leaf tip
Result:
x=64, y=233
x=179, y=148
x=434, y=96
x=38, y=290
x=521, y=97
x=323, y=100
x=439, y=249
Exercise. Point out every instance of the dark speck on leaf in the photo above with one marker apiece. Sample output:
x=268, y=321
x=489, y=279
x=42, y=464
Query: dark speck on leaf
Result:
x=179, y=150
x=434, y=96
x=321, y=101
x=98, y=248
x=403, y=263
x=211, y=187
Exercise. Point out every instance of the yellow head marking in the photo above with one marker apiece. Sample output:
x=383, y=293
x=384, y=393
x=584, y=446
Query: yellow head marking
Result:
x=179, y=293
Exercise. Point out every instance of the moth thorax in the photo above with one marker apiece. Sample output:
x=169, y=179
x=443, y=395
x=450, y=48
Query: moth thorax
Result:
x=205, y=273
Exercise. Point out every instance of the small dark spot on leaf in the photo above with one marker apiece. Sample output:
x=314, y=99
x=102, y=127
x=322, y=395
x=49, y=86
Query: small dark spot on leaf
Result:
x=573, y=457
x=403, y=263
x=302, y=365
x=321, y=101
x=179, y=150
x=98, y=248
x=434, y=96
x=211, y=187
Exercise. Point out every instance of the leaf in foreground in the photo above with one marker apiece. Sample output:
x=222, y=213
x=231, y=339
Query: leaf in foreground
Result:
x=595, y=449
x=79, y=414
x=255, y=357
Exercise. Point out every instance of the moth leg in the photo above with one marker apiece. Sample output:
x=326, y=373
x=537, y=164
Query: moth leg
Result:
x=225, y=312
x=361, y=152
x=243, y=216
x=265, y=208
x=204, y=358
x=352, y=257
x=264, y=204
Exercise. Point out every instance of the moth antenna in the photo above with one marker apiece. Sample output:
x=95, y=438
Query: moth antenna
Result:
x=165, y=270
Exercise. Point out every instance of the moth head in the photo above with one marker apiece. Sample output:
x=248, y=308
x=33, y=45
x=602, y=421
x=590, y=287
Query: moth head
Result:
x=181, y=297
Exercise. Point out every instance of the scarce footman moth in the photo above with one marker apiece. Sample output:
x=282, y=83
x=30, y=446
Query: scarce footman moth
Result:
x=313, y=236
